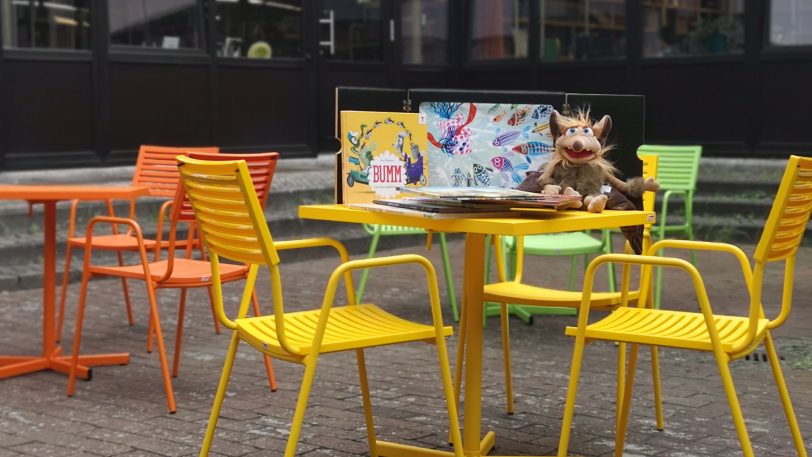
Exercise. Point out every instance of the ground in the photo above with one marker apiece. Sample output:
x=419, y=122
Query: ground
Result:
x=122, y=411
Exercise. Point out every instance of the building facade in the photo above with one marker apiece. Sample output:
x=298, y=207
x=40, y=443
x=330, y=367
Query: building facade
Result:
x=84, y=82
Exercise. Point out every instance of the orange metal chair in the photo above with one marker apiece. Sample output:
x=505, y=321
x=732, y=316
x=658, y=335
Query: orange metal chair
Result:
x=155, y=168
x=178, y=273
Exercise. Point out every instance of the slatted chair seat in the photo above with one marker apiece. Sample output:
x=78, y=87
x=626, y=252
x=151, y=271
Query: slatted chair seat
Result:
x=527, y=294
x=677, y=329
x=362, y=323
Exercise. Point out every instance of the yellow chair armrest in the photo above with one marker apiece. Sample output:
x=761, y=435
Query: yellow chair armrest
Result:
x=313, y=243
x=347, y=267
x=744, y=262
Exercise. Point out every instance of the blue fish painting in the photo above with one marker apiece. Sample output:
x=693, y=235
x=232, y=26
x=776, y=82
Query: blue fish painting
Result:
x=503, y=164
x=533, y=148
x=481, y=175
x=542, y=111
x=505, y=138
x=457, y=178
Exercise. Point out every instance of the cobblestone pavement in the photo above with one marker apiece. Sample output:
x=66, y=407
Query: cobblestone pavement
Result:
x=122, y=411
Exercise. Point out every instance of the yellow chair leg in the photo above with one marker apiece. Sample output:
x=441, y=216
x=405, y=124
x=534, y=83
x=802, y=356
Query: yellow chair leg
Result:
x=722, y=360
x=506, y=356
x=658, y=387
x=621, y=380
x=301, y=405
x=458, y=360
x=367, y=400
x=623, y=419
x=572, y=389
x=220, y=395
x=784, y=394
x=265, y=357
x=450, y=397
x=213, y=313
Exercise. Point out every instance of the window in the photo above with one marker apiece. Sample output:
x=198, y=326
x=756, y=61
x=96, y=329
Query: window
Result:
x=498, y=29
x=166, y=24
x=692, y=27
x=259, y=29
x=54, y=24
x=582, y=29
x=424, y=31
x=790, y=22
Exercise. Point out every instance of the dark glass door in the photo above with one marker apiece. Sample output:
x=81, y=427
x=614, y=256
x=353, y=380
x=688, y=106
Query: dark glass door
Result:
x=355, y=48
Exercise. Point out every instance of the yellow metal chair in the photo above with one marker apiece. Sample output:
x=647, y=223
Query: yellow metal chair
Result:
x=727, y=337
x=233, y=227
x=515, y=291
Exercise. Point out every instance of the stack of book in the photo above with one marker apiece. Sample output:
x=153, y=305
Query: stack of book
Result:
x=465, y=202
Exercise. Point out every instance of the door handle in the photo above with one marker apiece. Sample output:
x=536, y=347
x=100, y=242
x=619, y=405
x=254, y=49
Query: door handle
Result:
x=330, y=22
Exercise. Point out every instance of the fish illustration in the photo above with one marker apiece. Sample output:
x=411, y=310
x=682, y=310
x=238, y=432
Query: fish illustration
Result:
x=541, y=127
x=481, y=174
x=503, y=164
x=469, y=180
x=494, y=108
x=519, y=115
x=541, y=111
x=503, y=139
x=533, y=148
x=457, y=178
x=499, y=116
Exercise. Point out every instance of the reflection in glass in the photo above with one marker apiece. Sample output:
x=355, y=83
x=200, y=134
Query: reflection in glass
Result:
x=498, y=29
x=691, y=27
x=789, y=22
x=167, y=24
x=351, y=30
x=424, y=31
x=54, y=24
x=259, y=29
x=582, y=29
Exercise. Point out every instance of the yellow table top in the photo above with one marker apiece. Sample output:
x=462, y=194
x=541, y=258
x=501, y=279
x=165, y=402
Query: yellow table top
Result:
x=526, y=222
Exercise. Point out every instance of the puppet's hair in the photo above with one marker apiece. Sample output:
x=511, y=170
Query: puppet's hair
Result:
x=581, y=118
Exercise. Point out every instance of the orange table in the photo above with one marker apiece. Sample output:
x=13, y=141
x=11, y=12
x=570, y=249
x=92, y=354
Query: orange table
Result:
x=51, y=358
x=529, y=222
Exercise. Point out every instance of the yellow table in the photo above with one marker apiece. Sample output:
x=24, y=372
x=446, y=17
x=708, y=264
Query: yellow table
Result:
x=529, y=222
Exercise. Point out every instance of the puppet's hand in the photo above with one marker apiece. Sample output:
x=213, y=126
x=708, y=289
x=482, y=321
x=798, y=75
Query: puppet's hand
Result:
x=551, y=189
x=571, y=191
x=595, y=203
x=651, y=185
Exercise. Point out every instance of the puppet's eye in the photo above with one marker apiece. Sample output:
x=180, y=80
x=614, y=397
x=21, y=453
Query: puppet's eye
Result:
x=588, y=131
x=571, y=131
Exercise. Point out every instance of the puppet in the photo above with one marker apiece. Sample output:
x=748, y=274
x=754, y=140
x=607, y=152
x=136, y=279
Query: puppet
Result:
x=578, y=167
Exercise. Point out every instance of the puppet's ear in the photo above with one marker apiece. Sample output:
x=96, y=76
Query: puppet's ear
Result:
x=555, y=129
x=602, y=128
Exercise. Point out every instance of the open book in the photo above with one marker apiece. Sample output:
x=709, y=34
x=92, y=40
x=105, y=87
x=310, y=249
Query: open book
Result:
x=483, y=197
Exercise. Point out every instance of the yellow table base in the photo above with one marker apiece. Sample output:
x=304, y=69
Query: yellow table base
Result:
x=388, y=449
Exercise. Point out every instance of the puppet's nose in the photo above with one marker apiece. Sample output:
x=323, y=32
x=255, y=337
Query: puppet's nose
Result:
x=578, y=146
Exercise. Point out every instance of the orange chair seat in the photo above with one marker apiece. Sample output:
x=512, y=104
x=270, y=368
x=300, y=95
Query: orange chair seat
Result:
x=677, y=329
x=526, y=294
x=184, y=272
x=349, y=327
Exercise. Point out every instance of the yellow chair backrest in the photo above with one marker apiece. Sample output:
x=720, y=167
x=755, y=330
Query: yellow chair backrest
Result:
x=783, y=232
x=233, y=226
x=228, y=210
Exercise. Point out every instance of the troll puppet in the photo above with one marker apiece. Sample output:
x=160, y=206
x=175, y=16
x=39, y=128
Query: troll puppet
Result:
x=578, y=167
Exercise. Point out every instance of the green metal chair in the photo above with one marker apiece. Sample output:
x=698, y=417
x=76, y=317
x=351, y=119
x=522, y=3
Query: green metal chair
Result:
x=677, y=171
x=386, y=230
x=572, y=244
